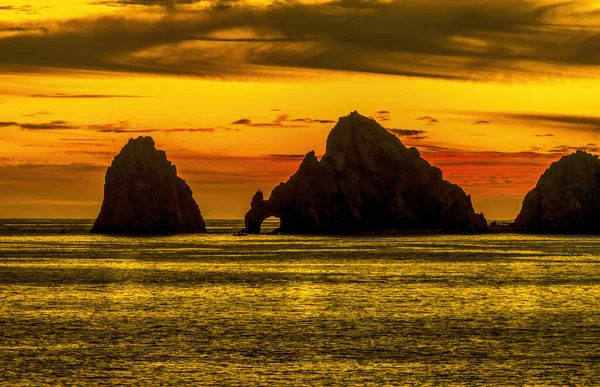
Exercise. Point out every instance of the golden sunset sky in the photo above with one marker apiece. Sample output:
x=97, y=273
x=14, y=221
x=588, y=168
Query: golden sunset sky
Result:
x=237, y=92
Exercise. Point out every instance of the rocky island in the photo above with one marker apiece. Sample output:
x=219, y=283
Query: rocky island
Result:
x=566, y=199
x=366, y=181
x=144, y=195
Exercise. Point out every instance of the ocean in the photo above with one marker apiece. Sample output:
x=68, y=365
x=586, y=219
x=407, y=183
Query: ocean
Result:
x=269, y=310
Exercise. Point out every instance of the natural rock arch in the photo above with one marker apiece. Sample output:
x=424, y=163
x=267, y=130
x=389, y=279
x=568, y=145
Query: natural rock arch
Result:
x=260, y=210
x=367, y=180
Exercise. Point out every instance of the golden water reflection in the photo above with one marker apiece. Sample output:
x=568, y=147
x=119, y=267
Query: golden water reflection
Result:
x=286, y=310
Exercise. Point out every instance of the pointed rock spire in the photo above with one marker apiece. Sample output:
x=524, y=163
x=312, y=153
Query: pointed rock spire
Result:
x=144, y=195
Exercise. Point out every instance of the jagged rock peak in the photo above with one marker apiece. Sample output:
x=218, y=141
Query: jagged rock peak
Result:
x=310, y=160
x=566, y=199
x=144, y=195
x=358, y=127
x=367, y=180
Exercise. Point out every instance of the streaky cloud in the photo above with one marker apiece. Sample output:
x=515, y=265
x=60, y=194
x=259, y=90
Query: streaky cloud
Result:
x=169, y=4
x=35, y=115
x=589, y=123
x=407, y=132
x=54, y=125
x=438, y=39
x=429, y=120
x=564, y=149
x=567, y=121
x=84, y=96
x=313, y=121
x=119, y=127
x=242, y=121
x=22, y=8
x=282, y=121
x=5, y=124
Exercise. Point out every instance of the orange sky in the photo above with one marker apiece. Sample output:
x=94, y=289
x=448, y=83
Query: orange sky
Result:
x=237, y=92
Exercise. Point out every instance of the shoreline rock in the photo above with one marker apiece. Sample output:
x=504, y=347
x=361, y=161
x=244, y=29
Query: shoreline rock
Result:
x=144, y=195
x=367, y=181
x=565, y=200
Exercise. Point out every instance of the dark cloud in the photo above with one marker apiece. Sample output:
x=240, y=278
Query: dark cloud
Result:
x=113, y=127
x=430, y=120
x=242, y=121
x=566, y=121
x=282, y=121
x=450, y=153
x=5, y=124
x=545, y=135
x=592, y=148
x=36, y=115
x=54, y=125
x=481, y=122
x=169, y=4
x=125, y=127
x=382, y=115
x=118, y=127
x=21, y=29
x=22, y=8
x=145, y=131
x=588, y=123
x=313, y=121
x=109, y=129
x=406, y=132
x=84, y=96
x=470, y=39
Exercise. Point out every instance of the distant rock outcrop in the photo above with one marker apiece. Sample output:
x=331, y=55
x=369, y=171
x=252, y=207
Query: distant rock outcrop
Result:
x=566, y=199
x=366, y=181
x=144, y=195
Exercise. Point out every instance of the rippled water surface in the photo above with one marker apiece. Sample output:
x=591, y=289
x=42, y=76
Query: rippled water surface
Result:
x=80, y=309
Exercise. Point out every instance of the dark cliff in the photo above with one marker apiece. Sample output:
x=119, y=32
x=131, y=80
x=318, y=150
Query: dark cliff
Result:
x=366, y=181
x=566, y=199
x=144, y=195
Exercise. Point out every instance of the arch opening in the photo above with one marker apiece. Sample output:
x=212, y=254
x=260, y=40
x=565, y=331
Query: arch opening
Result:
x=256, y=222
x=270, y=225
x=260, y=210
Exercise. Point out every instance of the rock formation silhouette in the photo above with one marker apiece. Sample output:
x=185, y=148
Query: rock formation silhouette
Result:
x=367, y=180
x=144, y=195
x=566, y=199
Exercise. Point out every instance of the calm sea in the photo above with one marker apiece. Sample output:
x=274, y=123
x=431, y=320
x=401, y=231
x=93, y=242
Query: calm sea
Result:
x=81, y=309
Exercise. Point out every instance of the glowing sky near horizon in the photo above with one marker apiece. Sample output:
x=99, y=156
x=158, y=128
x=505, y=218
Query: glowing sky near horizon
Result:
x=237, y=92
